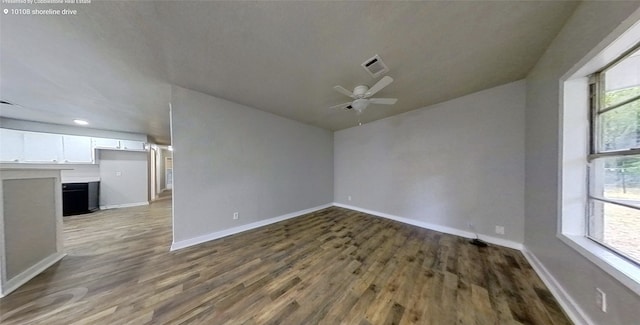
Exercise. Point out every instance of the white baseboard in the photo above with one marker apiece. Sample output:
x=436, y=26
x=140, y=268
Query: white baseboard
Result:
x=440, y=228
x=126, y=205
x=570, y=307
x=231, y=231
x=30, y=273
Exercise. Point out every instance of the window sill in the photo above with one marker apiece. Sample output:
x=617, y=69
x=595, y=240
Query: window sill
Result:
x=624, y=271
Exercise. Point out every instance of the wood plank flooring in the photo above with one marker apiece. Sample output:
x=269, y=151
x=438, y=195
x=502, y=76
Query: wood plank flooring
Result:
x=334, y=266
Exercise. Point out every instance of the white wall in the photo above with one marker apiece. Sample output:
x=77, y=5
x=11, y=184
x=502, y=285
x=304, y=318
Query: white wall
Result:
x=228, y=157
x=123, y=178
x=591, y=24
x=448, y=164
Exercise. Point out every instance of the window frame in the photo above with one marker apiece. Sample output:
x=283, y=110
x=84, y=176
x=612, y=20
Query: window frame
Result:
x=597, y=107
x=573, y=149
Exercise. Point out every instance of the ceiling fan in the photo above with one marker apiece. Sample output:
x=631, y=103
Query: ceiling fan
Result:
x=362, y=93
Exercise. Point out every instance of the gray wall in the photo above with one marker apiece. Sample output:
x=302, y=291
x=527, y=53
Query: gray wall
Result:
x=228, y=157
x=589, y=25
x=29, y=222
x=131, y=186
x=448, y=164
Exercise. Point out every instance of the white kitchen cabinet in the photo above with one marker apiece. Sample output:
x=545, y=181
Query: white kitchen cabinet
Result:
x=103, y=143
x=43, y=147
x=37, y=147
x=131, y=145
x=115, y=144
x=11, y=145
x=77, y=149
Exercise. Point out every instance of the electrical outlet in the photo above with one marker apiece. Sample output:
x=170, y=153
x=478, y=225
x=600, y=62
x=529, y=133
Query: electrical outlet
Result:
x=235, y=216
x=500, y=230
x=118, y=173
x=601, y=300
x=349, y=197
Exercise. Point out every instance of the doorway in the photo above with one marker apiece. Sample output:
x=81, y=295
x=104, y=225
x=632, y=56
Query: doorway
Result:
x=161, y=172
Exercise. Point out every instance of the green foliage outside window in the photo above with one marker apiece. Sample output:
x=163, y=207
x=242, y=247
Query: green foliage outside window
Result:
x=620, y=129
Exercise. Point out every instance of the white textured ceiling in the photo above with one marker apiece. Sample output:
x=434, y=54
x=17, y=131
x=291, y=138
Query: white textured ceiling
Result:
x=113, y=62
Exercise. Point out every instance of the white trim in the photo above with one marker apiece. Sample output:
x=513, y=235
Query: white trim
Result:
x=126, y=205
x=574, y=150
x=570, y=307
x=79, y=179
x=609, y=49
x=440, y=228
x=619, y=268
x=28, y=274
x=231, y=231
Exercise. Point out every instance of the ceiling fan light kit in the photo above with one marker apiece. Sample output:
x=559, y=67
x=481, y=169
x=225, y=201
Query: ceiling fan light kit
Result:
x=360, y=104
x=361, y=94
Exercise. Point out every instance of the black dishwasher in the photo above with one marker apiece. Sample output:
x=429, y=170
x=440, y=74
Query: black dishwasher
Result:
x=79, y=198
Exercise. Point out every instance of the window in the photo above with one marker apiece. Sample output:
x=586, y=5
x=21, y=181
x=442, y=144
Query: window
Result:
x=614, y=159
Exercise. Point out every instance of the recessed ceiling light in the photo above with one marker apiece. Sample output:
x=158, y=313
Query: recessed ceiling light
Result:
x=80, y=122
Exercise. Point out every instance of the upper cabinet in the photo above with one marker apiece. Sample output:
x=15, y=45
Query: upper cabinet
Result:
x=43, y=147
x=131, y=145
x=104, y=143
x=77, y=149
x=36, y=147
x=113, y=144
x=11, y=145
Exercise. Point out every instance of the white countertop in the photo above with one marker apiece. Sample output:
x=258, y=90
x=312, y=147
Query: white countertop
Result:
x=11, y=166
x=80, y=179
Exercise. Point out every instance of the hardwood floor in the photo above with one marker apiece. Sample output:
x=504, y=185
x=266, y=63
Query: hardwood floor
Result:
x=334, y=266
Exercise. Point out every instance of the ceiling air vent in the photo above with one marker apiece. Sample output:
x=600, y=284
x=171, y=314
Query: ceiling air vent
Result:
x=375, y=66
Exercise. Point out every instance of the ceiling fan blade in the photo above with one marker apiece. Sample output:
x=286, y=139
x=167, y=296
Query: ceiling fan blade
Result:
x=385, y=81
x=340, y=106
x=383, y=101
x=342, y=90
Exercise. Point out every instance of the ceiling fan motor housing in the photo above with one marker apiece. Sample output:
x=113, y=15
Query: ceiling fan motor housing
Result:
x=360, y=91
